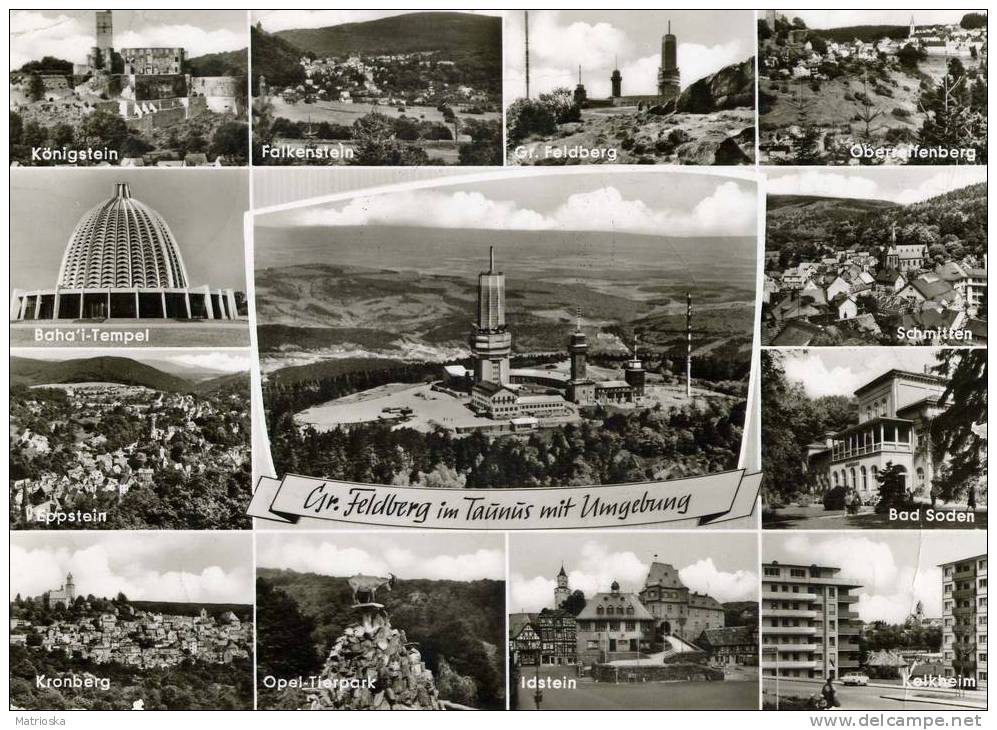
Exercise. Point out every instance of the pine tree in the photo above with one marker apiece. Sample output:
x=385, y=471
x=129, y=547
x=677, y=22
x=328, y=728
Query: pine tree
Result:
x=892, y=488
x=950, y=118
x=806, y=146
x=958, y=432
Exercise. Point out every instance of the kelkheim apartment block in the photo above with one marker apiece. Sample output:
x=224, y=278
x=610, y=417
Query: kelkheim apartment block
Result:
x=809, y=629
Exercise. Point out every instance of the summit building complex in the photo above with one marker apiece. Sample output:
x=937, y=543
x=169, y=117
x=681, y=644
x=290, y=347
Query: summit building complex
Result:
x=501, y=392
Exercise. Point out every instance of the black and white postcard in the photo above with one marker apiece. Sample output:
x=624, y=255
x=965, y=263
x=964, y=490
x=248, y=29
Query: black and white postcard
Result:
x=131, y=621
x=884, y=256
x=873, y=439
x=872, y=87
x=586, y=87
x=129, y=440
x=377, y=87
x=877, y=621
x=637, y=621
x=128, y=258
x=129, y=88
x=381, y=622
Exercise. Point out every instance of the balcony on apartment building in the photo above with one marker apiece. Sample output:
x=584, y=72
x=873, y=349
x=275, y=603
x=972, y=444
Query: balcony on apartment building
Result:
x=790, y=613
x=787, y=647
x=789, y=630
x=788, y=664
x=773, y=596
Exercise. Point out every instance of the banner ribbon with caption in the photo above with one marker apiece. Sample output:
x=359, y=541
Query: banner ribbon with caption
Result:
x=708, y=499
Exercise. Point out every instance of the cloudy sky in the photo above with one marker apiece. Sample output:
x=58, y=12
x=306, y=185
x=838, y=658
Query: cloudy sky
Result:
x=904, y=185
x=276, y=20
x=846, y=18
x=427, y=555
x=194, y=567
x=896, y=569
x=69, y=34
x=839, y=371
x=670, y=203
x=708, y=40
x=182, y=361
x=724, y=566
x=203, y=208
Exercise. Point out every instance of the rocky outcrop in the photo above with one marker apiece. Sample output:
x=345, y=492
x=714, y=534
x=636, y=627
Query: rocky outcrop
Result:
x=731, y=87
x=371, y=667
x=646, y=137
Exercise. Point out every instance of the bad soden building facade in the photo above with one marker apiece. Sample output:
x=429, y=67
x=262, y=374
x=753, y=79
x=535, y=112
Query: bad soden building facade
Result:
x=122, y=261
x=809, y=629
x=894, y=422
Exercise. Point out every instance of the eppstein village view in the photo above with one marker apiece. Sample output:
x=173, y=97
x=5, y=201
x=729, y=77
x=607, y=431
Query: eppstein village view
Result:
x=110, y=442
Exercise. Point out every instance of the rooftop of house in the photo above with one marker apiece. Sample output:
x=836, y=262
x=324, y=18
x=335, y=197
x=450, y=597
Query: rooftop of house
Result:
x=728, y=636
x=616, y=601
x=796, y=333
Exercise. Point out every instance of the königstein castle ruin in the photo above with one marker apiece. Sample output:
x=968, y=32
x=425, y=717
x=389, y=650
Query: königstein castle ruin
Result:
x=147, y=87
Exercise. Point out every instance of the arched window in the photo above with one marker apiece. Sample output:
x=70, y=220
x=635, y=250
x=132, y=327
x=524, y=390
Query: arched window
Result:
x=599, y=610
x=865, y=480
x=835, y=478
x=855, y=481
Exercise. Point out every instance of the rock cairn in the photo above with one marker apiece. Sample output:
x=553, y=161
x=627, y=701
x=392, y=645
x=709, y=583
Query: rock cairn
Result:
x=372, y=667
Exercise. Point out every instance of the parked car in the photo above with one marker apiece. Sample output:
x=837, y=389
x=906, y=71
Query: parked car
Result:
x=855, y=679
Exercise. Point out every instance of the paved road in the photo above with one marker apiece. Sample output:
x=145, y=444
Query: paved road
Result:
x=855, y=698
x=590, y=695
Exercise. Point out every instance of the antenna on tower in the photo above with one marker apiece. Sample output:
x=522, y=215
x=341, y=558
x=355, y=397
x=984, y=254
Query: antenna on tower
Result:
x=688, y=345
x=491, y=259
x=526, y=13
x=578, y=318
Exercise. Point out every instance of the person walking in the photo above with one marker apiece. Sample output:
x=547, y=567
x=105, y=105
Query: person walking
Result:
x=828, y=694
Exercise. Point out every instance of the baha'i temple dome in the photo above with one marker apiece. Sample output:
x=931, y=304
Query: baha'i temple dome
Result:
x=123, y=262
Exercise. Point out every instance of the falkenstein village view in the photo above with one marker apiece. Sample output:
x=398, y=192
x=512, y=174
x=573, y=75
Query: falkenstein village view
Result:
x=408, y=89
